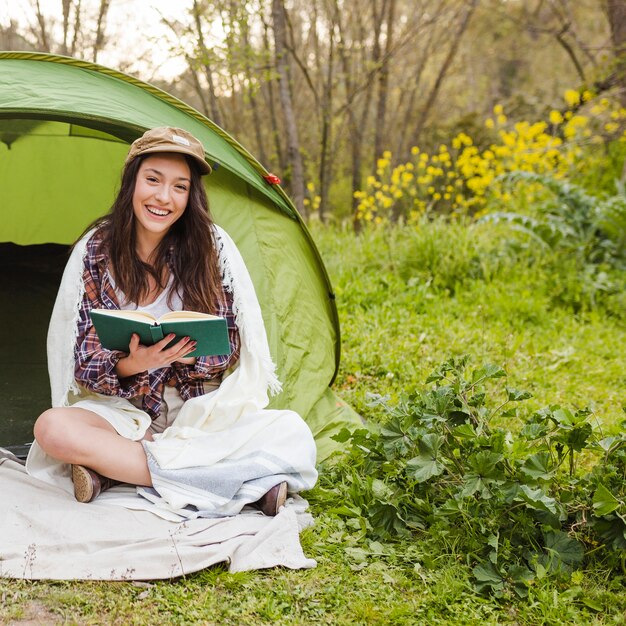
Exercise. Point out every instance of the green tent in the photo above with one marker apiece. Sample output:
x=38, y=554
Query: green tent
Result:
x=65, y=126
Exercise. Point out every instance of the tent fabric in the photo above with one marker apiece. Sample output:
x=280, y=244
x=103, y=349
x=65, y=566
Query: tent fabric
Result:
x=65, y=126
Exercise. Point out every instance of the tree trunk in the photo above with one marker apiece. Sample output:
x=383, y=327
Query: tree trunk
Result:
x=325, y=157
x=257, y=122
x=616, y=13
x=102, y=14
x=77, y=16
x=293, y=142
x=383, y=82
x=42, y=34
x=270, y=100
x=66, y=5
x=434, y=92
x=204, y=52
x=355, y=131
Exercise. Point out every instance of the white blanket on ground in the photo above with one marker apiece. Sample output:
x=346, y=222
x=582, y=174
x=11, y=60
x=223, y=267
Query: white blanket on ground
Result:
x=46, y=534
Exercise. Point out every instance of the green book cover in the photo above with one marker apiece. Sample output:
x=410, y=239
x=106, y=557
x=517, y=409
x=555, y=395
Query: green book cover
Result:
x=115, y=327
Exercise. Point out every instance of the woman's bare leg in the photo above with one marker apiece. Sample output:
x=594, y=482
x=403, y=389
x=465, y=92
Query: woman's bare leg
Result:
x=75, y=435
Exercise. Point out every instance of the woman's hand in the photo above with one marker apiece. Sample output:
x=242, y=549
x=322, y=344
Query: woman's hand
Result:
x=142, y=358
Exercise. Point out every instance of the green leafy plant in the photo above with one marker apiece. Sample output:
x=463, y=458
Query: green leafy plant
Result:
x=516, y=508
x=570, y=219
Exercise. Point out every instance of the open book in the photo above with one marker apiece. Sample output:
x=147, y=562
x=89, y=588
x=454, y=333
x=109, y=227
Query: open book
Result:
x=115, y=328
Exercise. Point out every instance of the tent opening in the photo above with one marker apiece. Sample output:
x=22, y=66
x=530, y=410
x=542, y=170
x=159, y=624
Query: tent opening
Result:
x=29, y=281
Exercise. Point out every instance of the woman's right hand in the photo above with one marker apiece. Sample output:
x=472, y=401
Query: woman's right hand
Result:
x=142, y=358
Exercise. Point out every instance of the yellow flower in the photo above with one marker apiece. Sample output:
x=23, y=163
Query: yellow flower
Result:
x=489, y=123
x=387, y=155
x=498, y=109
x=415, y=150
x=555, y=117
x=572, y=97
x=501, y=119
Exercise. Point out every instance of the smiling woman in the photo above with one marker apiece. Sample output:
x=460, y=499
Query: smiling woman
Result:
x=157, y=251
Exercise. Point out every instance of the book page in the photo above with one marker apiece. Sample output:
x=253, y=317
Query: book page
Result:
x=186, y=316
x=139, y=316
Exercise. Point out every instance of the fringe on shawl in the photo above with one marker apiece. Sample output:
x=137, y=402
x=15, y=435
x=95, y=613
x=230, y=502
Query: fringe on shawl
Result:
x=68, y=364
x=241, y=317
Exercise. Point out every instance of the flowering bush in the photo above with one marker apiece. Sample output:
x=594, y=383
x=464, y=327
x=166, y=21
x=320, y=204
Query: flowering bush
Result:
x=461, y=178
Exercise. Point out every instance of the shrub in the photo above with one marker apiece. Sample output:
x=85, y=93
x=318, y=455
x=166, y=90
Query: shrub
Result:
x=463, y=179
x=517, y=507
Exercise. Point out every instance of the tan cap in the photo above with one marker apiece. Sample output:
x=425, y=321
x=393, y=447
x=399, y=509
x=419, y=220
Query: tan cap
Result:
x=168, y=139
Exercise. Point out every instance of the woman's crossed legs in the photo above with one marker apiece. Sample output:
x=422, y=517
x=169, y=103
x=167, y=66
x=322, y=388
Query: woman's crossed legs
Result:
x=81, y=437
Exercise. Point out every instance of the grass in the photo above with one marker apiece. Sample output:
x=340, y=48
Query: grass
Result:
x=408, y=299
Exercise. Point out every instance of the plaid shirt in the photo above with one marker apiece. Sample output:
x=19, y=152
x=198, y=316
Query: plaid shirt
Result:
x=95, y=366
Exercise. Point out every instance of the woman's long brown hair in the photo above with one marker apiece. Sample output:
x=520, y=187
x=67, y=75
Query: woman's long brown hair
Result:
x=188, y=249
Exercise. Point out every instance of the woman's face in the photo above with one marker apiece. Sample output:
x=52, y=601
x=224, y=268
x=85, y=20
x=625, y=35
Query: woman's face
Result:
x=161, y=194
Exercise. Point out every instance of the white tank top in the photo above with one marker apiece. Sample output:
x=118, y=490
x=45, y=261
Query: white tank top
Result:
x=157, y=308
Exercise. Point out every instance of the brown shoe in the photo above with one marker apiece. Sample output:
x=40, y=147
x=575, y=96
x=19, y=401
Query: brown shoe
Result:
x=88, y=484
x=271, y=502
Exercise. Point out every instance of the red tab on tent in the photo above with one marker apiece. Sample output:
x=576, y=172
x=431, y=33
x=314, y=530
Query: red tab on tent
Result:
x=272, y=179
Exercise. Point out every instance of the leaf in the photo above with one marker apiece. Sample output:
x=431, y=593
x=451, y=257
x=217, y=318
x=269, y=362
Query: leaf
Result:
x=342, y=436
x=423, y=468
x=607, y=443
x=538, y=466
x=464, y=431
x=604, y=502
x=381, y=490
x=594, y=605
x=577, y=437
x=393, y=438
x=522, y=577
x=516, y=395
x=427, y=464
x=612, y=530
x=537, y=499
x=563, y=416
x=487, y=577
x=487, y=371
x=563, y=549
x=484, y=464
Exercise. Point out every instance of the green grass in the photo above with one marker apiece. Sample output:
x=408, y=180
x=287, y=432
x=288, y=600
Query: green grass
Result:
x=408, y=300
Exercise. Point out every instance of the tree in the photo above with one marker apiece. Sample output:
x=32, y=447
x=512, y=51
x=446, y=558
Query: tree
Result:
x=284, y=80
x=616, y=14
x=83, y=33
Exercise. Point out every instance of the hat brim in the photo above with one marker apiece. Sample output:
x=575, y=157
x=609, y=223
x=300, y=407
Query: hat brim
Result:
x=203, y=166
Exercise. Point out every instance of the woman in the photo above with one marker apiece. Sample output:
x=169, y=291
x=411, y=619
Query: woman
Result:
x=157, y=250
